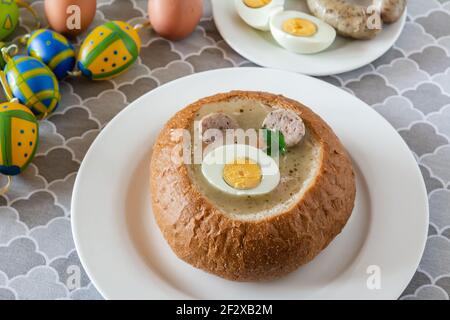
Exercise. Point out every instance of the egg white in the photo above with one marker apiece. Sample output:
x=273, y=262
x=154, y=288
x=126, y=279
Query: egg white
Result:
x=320, y=41
x=214, y=162
x=258, y=18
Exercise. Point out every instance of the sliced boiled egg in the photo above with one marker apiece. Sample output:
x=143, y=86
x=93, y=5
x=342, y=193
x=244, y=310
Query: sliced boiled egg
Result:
x=300, y=32
x=257, y=13
x=241, y=170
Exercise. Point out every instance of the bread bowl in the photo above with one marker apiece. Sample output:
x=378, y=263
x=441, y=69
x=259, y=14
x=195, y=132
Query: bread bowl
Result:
x=261, y=237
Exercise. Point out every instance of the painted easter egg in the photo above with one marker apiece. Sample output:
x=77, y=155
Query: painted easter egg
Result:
x=109, y=50
x=9, y=17
x=2, y=60
x=19, y=134
x=33, y=84
x=54, y=50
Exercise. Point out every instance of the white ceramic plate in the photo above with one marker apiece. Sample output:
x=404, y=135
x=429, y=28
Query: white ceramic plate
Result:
x=126, y=256
x=259, y=47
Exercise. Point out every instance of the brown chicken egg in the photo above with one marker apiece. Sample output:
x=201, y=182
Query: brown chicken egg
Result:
x=175, y=19
x=70, y=17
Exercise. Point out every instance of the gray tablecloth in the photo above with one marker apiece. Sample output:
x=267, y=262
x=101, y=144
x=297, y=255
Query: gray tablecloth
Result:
x=409, y=86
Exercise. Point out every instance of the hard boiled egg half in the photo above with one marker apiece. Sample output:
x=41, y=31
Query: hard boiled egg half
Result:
x=241, y=170
x=257, y=13
x=300, y=32
x=293, y=30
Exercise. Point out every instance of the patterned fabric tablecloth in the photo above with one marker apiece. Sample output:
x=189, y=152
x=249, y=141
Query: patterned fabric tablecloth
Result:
x=409, y=86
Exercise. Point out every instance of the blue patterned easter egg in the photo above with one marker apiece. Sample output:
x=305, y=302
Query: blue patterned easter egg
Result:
x=33, y=84
x=54, y=50
x=19, y=133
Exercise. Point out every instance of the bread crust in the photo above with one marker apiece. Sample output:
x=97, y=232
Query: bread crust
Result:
x=243, y=250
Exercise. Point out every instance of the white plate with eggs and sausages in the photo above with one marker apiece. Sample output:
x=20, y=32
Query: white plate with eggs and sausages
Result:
x=269, y=35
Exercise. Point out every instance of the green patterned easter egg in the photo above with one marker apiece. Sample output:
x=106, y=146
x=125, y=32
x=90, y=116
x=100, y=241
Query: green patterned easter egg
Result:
x=9, y=17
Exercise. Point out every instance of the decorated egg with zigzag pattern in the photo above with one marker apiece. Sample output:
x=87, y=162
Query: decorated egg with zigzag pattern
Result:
x=54, y=50
x=19, y=134
x=109, y=50
x=33, y=84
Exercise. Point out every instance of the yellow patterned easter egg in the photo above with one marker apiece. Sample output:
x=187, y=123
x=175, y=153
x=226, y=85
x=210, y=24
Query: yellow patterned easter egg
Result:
x=19, y=134
x=109, y=50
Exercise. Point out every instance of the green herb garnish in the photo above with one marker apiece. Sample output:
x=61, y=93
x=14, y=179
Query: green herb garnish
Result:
x=274, y=139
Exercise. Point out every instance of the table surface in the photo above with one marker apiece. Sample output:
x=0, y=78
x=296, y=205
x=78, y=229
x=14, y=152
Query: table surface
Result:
x=409, y=86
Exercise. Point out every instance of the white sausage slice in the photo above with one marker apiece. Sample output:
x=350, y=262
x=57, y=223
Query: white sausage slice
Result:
x=217, y=120
x=288, y=123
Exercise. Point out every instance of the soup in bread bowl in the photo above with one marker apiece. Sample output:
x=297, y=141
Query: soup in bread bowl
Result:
x=249, y=185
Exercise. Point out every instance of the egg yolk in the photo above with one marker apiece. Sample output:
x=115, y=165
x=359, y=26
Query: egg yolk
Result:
x=299, y=27
x=242, y=174
x=256, y=3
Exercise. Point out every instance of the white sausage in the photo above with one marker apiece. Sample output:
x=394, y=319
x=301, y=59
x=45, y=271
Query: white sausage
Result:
x=288, y=123
x=219, y=121
x=392, y=10
x=349, y=19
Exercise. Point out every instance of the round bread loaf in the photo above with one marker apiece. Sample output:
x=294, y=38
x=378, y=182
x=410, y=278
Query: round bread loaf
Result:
x=261, y=245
